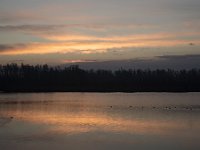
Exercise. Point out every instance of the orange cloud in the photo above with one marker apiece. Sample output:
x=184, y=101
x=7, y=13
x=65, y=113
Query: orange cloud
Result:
x=94, y=44
x=149, y=37
x=77, y=61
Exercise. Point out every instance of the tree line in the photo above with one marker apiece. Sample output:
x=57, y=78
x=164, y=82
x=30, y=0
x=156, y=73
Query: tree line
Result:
x=42, y=78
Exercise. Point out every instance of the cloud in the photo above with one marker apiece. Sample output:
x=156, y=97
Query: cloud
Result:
x=83, y=33
x=36, y=29
x=55, y=27
x=90, y=46
x=177, y=62
x=117, y=38
x=61, y=39
x=78, y=61
x=170, y=57
x=4, y=48
x=79, y=37
x=26, y=28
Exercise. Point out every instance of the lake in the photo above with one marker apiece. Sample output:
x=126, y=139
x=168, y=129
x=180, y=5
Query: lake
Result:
x=100, y=121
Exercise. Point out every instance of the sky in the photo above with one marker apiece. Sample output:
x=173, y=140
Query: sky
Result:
x=65, y=31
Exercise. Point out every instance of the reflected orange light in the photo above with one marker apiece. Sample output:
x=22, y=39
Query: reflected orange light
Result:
x=75, y=123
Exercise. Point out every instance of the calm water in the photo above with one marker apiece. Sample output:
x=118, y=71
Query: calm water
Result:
x=99, y=121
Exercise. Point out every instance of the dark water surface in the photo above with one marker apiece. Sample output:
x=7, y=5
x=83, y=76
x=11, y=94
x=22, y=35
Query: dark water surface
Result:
x=100, y=121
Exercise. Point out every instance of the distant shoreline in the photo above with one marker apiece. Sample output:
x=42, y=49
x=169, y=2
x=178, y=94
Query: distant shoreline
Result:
x=42, y=78
x=93, y=91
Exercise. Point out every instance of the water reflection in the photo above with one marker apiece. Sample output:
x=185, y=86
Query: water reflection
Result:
x=67, y=117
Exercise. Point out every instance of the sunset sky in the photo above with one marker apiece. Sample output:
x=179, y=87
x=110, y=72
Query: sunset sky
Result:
x=63, y=31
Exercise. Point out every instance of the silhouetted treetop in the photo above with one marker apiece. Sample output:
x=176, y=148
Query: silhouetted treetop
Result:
x=38, y=78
